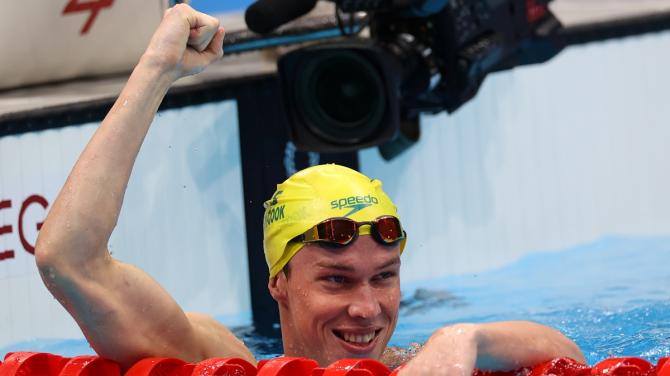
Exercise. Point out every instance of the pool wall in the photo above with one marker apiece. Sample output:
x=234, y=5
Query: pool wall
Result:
x=545, y=158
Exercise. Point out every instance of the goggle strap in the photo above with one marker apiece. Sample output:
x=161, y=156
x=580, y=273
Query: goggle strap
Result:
x=310, y=235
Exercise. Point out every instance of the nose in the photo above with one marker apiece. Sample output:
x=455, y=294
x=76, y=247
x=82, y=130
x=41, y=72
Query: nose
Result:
x=364, y=303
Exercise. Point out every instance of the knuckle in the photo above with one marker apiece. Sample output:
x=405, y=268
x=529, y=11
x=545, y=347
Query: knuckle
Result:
x=181, y=6
x=216, y=23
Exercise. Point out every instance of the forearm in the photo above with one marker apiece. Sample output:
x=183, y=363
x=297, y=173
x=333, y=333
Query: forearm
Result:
x=516, y=344
x=83, y=216
x=503, y=346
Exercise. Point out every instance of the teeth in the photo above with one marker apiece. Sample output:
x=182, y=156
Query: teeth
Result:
x=358, y=338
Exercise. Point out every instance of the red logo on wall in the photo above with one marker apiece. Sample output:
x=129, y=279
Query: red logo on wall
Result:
x=94, y=6
x=6, y=229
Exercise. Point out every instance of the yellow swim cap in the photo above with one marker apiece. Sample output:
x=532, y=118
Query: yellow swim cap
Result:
x=314, y=195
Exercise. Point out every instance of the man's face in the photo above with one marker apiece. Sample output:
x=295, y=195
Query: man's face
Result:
x=340, y=302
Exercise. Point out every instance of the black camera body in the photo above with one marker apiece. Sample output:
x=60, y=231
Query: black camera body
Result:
x=341, y=96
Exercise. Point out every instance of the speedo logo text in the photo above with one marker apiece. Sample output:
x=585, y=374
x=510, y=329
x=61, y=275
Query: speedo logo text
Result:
x=355, y=203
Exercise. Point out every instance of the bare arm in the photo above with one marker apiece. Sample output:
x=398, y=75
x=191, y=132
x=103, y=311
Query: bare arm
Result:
x=458, y=349
x=124, y=313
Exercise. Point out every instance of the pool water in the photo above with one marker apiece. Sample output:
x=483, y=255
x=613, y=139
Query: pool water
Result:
x=611, y=297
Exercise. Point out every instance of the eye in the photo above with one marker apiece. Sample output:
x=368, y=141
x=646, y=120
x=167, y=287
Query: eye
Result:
x=335, y=279
x=384, y=276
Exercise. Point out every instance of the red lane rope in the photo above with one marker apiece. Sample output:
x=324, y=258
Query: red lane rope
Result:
x=44, y=364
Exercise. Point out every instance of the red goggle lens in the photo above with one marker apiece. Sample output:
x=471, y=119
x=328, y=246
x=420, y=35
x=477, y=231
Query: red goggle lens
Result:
x=338, y=231
x=388, y=229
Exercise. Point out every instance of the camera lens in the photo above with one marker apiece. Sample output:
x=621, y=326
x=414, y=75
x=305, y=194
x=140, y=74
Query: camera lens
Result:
x=343, y=96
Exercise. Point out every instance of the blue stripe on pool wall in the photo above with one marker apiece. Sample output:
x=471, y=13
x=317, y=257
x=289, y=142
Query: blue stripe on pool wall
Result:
x=220, y=6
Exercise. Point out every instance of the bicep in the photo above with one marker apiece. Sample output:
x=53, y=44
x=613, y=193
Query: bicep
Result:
x=124, y=313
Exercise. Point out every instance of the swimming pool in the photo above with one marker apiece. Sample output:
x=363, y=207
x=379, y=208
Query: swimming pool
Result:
x=610, y=296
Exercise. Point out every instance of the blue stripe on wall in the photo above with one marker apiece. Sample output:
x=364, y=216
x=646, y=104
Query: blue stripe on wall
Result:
x=219, y=6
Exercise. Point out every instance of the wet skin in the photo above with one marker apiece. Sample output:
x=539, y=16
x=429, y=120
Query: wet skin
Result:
x=339, y=302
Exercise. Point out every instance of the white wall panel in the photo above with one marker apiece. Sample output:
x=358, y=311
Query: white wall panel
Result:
x=545, y=157
x=182, y=219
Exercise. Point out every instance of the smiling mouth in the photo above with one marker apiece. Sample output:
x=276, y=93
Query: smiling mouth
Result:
x=357, y=339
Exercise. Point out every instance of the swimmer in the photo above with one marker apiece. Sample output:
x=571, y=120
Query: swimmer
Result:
x=338, y=291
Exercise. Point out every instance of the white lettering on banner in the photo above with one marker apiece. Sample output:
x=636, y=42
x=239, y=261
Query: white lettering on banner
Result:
x=7, y=229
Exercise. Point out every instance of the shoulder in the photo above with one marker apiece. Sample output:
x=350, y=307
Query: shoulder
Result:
x=216, y=340
x=393, y=357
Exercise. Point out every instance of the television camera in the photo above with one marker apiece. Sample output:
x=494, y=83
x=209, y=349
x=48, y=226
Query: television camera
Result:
x=397, y=59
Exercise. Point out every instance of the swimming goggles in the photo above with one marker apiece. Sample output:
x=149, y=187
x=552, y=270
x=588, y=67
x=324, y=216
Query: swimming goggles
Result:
x=342, y=231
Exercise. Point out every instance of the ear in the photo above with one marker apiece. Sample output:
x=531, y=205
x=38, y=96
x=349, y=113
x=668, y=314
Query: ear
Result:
x=278, y=286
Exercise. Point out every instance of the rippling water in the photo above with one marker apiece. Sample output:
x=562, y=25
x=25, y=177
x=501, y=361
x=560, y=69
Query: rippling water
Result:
x=612, y=297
